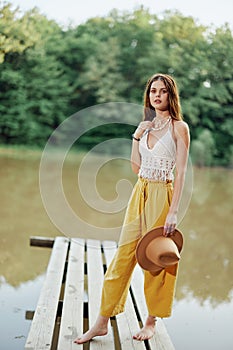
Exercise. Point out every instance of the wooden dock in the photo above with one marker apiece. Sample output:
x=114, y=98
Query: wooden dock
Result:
x=70, y=298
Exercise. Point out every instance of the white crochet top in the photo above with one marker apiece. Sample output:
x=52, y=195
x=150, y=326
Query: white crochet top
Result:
x=158, y=162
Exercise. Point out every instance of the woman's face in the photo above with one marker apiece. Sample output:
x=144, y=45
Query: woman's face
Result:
x=158, y=96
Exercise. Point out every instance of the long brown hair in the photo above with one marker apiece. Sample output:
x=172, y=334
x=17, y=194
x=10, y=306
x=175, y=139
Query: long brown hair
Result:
x=173, y=97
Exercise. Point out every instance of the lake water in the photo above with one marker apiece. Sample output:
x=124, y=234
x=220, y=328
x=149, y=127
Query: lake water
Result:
x=203, y=308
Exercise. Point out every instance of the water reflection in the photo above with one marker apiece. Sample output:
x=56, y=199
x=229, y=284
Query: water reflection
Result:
x=192, y=327
x=205, y=283
x=22, y=214
x=14, y=302
x=206, y=266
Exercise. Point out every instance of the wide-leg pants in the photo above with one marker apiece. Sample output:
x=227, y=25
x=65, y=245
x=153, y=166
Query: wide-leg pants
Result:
x=147, y=208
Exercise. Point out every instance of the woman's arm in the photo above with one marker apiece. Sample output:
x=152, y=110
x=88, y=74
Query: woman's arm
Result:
x=135, y=155
x=182, y=138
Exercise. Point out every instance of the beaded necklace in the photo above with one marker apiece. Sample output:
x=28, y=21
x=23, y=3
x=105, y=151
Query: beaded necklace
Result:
x=160, y=125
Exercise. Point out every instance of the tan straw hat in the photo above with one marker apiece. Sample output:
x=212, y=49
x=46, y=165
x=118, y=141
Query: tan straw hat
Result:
x=154, y=251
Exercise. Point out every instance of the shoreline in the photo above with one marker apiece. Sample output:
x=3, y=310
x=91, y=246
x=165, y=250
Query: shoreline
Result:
x=20, y=151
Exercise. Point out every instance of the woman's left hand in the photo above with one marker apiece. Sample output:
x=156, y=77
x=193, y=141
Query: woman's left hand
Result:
x=170, y=224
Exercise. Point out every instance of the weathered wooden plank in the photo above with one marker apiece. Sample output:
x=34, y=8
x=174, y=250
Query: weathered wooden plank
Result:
x=41, y=332
x=95, y=282
x=47, y=242
x=127, y=321
x=42, y=327
x=72, y=311
x=161, y=339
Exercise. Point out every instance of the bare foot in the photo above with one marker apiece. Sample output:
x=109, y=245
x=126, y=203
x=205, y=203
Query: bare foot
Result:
x=100, y=328
x=147, y=331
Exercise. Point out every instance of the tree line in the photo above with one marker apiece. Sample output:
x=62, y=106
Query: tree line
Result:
x=48, y=73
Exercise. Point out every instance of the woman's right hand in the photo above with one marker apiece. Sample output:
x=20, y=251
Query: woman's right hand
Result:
x=142, y=127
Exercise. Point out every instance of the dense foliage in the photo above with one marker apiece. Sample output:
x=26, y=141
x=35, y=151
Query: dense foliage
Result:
x=47, y=73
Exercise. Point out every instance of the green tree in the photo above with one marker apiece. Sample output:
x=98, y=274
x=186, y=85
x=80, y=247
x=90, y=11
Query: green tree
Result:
x=218, y=98
x=203, y=149
x=34, y=91
x=48, y=73
x=101, y=77
x=17, y=33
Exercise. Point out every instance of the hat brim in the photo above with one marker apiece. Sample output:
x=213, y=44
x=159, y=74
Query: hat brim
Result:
x=141, y=257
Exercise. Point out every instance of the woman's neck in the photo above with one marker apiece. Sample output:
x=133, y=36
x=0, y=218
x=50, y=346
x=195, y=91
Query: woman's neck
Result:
x=162, y=114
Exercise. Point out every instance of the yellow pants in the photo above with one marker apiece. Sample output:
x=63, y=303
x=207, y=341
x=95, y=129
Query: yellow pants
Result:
x=147, y=208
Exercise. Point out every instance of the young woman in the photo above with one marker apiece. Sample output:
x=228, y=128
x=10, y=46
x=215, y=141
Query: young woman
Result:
x=160, y=145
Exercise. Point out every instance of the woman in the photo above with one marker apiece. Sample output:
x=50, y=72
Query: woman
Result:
x=160, y=144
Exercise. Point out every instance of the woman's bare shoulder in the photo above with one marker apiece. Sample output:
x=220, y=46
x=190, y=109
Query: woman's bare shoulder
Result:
x=181, y=132
x=180, y=126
